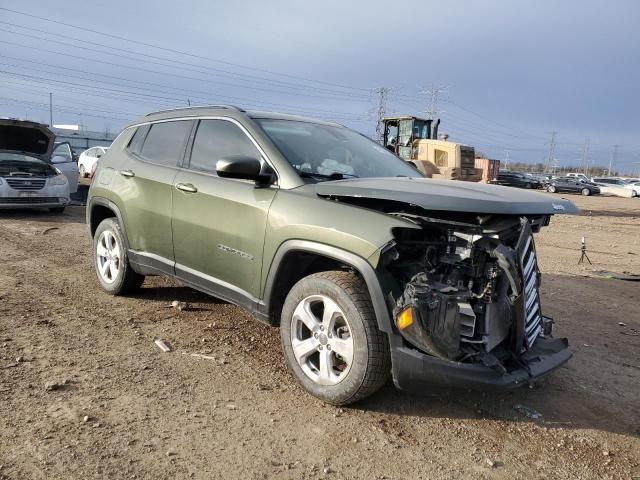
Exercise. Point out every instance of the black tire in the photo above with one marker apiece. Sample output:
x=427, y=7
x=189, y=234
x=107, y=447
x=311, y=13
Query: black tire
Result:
x=371, y=363
x=586, y=192
x=126, y=280
x=82, y=172
x=551, y=189
x=57, y=209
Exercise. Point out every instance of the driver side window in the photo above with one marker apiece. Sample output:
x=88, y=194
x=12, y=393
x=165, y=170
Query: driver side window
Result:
x=217, y=139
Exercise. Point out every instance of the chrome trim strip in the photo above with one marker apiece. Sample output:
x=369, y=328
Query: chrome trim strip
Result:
x=214, y=280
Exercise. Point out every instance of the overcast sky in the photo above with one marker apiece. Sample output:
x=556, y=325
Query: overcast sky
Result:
x=514, y=71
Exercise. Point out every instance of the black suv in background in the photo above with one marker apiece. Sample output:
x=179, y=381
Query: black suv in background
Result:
x=572, y=185
x=515, y=179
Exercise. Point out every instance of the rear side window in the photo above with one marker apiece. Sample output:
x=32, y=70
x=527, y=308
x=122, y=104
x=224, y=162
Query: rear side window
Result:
x=138, y=137
x=165, y=142
x=217, y=139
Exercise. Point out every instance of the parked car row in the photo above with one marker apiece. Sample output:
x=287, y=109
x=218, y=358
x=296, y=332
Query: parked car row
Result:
x=571, y=183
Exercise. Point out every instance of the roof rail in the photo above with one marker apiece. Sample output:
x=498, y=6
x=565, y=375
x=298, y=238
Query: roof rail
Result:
x=229, y=107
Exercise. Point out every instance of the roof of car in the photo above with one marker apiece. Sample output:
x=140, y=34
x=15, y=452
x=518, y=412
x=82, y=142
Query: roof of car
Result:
x=226, y=110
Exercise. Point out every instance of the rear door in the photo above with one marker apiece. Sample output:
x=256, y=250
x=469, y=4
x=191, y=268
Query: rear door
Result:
x=63, y=159
x=218, y=223
x=144, y=186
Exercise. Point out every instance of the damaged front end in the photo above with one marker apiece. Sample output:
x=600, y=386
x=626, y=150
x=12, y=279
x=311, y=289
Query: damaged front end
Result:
x=465, y=299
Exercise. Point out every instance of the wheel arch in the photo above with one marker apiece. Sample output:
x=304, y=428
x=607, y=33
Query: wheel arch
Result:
x=295, y=259
x=98, y=209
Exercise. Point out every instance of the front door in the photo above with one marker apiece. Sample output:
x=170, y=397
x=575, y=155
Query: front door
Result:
x=63, y=159
x=219, y=224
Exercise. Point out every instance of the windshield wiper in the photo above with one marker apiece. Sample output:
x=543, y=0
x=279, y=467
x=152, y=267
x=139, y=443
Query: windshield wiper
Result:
x=332, y=176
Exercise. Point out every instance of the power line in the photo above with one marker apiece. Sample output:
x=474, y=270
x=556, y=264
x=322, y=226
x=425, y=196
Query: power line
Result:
x=199, y=68
x=179, y=52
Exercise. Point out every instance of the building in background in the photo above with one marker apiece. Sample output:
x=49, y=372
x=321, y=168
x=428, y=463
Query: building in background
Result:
x=489, y=167
x=81, y=139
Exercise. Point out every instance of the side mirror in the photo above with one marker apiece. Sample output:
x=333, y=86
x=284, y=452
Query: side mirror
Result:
x=98, y=155
x=240, y=167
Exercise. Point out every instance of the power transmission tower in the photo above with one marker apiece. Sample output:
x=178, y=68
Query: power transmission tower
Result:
x=382, y=93
x=552, y=150
x=433, y=94
x=612, y=160
x=506, y=159
x=585, y=155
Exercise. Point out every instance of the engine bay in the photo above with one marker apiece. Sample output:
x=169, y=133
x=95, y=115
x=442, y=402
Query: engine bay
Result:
x=467, y=289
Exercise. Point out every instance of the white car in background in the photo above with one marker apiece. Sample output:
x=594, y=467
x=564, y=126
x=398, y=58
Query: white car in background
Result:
x=34, y=172
x=618, y=183
x=89, y=158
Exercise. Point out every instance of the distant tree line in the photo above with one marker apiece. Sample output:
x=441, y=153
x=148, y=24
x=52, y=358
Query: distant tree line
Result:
x=592, y=171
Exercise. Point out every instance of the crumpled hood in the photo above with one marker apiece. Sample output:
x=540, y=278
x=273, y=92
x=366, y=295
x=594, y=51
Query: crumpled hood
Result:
x=27, y=138
x=447, y=195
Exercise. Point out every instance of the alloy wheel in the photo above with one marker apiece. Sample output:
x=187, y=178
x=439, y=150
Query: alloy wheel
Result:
x=321, y=340
x=109, y=256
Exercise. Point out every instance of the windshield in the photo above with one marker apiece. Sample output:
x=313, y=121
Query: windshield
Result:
x=324, y=152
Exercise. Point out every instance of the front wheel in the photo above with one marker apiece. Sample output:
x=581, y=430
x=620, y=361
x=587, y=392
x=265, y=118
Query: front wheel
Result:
x=331, y=340
x=110, y=260
x=551, y=189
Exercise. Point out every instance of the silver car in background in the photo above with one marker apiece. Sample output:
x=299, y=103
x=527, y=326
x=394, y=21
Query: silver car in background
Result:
x=34, y=171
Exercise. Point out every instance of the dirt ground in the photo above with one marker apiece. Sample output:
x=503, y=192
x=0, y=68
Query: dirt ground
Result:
x=85, y=393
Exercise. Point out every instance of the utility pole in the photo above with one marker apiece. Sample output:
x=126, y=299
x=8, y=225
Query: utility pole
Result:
x=506, y=159
x=382, y=93
x=50, y=110
x=433, y=94
x=612, y=160
x=552, y=150
x=585, y=155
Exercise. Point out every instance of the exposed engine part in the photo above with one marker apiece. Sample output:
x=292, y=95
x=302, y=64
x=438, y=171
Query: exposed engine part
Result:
x=473, y=290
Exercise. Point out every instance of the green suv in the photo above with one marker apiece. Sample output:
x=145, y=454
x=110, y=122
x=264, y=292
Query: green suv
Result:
x=367, y=268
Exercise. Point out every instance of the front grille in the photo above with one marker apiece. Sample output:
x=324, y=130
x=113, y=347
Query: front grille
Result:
x=532, y=311
x=25, y=183
x=27, y=200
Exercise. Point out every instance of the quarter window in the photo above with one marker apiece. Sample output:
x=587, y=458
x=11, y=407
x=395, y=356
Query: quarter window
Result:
x=165, y=142
x=217, y=139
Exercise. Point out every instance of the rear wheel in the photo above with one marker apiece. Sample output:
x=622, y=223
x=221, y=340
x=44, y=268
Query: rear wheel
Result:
x=110, y=260
x=551, y=189
x=586, y=192
x=527, y=185
x=331, y=340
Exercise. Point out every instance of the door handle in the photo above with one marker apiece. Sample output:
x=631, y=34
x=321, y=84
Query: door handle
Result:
x=127, y=173
x=186, y=187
